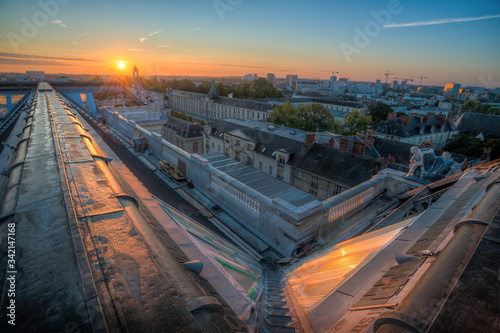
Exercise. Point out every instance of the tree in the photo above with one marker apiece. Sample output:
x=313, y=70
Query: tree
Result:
x=355, y=122
x=286, y=114
x=314, y=116
x=380, y=111
x=469, y=145
x=261, y=88
x=187, y=85
x=478, y=107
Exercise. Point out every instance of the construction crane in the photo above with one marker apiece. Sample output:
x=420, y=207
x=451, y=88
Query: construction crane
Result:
x=399, y=78
x=387, y=77
x=333, y=72
x=421, y=77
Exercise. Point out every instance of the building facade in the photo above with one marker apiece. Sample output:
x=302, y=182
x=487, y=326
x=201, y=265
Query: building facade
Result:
x=183, y=134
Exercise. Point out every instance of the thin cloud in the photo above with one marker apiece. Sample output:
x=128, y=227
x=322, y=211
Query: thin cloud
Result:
x=166, y=45
x=84, y=34
x=74, y=43
x=150, y=35
x=441, y=21
x=29, y=56
x=136, y=50
x=28, y=59
x=196, y=29
x=59, y=22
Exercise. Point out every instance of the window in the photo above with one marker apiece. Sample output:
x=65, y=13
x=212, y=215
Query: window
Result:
x=314, y=182
x=270, y=169
x=213, y=145
x=260, y=166
x=313, y=192
x=281, y=161
x=299, y=174
x=218, y=148
x=338, y=189
x=195, y=147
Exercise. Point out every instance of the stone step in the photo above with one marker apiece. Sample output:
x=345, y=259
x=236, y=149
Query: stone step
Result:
x=277, y=329
x=278, y=311
x=277, y=304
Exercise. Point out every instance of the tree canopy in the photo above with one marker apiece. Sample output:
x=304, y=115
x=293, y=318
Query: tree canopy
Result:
x=355, y=122
x=314, y=116
x=469, y=145
x=260, y=88
x=380, y=111
x=478, y=107
x=310, y=117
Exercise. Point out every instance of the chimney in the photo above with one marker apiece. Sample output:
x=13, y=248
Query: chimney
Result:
x=370, y=140
x=404, y=120
x=310, y=138
x=358, y=148
x=331, y=142
x=316, y=137
x=391, y=116
x=344, y=144
x=442, y=117
x=391, y=159
x=426, y=117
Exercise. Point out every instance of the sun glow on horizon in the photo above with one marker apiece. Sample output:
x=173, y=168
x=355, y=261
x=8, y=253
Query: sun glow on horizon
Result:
x=121, y=64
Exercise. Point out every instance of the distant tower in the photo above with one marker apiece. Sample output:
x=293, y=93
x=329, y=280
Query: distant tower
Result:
x=136, y=73
x=213, y=93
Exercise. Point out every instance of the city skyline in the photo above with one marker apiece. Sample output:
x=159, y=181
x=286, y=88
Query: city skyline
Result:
x=362, y=40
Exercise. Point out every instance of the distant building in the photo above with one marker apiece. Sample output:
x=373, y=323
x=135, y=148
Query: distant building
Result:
x=266, y=147
x=395, y=84
x=271, y=77
x=324, y=171
x=211, y=106
x=377, y=82
x=183, y=134
x=445, y=104
x=36, y=75
x=452, y=89
x=417, y=129
x=291, y=81
x=20, y=78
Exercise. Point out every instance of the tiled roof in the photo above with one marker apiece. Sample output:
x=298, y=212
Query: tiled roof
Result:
x=343, y=167
x=476, y=123
x=184, y=128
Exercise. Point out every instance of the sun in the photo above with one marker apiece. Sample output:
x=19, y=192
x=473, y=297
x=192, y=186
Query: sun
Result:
x=121, y=64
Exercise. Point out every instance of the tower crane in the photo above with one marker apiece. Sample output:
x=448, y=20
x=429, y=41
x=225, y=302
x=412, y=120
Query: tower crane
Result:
x=421, y=77
x=387, y=76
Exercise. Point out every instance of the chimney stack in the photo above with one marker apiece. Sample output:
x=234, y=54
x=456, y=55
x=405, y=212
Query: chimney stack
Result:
x=404, y=120
x=358, y=148
x=331, y=142
x=442, y=117
x=344, y=144
x=391, y=116
x=310, y=138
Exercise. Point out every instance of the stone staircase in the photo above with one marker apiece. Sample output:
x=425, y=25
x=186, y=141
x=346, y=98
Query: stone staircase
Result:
x=275, y=315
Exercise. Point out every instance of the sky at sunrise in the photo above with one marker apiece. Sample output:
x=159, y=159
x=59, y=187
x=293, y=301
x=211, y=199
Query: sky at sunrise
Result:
x=446, y=41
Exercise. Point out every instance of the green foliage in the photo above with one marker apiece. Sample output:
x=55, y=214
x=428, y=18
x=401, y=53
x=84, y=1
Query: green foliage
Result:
x=97, y=78
x=478, y=107
x=355, y=122
x=380, y=111
x=400, y=114
x=471, y=146
x=310, y=117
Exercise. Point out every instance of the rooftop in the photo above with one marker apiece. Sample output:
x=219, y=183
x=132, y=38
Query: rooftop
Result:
x=260, y=181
